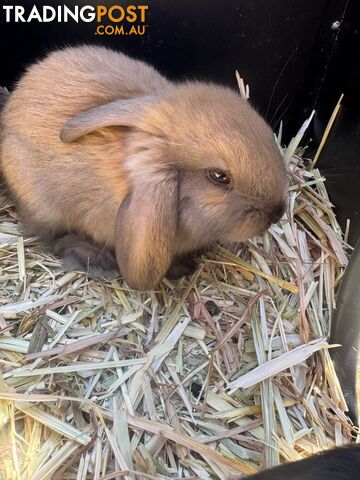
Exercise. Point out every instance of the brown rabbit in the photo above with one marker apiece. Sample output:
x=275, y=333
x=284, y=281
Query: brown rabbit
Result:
x=104, y=154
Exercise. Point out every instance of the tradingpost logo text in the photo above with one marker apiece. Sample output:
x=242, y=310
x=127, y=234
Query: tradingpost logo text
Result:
x=113, y=20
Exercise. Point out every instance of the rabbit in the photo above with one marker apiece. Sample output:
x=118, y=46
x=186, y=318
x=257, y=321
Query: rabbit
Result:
x=342, y=463
x=119, y=168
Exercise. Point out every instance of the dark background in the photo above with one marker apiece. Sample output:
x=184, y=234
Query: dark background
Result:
x=296, y=55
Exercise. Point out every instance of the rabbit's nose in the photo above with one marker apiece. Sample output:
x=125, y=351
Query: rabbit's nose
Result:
x=277, y=212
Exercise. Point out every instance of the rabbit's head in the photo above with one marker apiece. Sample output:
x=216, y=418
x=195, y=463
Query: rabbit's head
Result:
x=204, y=167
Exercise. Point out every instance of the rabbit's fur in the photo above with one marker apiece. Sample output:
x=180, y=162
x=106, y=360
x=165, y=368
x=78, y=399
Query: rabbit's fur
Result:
x=100, y=148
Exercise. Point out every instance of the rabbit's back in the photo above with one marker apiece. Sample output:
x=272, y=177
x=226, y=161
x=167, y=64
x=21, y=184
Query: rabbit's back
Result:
x=72, y=80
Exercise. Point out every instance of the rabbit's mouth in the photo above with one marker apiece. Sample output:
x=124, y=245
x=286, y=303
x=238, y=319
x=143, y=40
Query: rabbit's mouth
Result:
x=256, y=222
x=253, y=224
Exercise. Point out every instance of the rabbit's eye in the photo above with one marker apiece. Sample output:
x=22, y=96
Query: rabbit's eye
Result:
x=218, y=177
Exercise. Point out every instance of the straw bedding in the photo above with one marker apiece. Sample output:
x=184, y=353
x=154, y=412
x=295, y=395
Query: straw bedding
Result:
x=210, y=377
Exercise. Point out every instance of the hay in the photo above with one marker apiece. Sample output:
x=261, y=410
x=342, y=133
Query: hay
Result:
x=216, y=375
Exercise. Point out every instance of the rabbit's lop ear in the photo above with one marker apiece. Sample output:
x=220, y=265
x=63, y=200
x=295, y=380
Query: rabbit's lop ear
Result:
x=118, y=113
x=145, y=231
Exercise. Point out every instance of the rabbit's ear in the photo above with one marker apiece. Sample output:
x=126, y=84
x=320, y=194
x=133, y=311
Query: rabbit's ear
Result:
x=146, y=227
x=118, y=113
